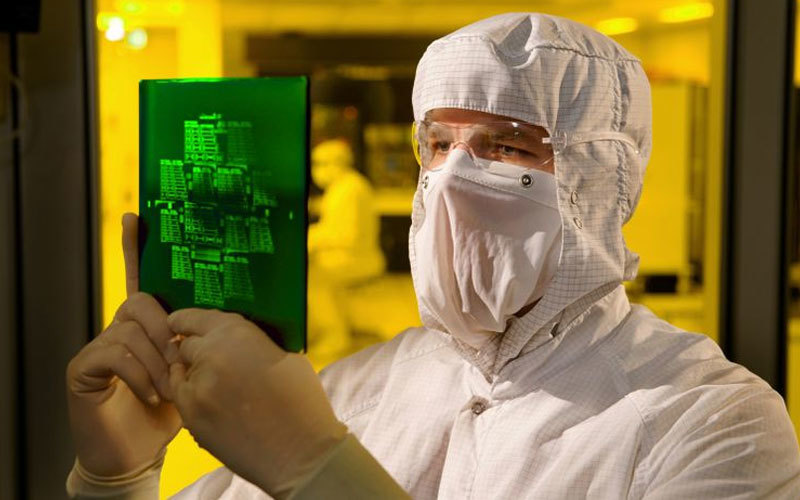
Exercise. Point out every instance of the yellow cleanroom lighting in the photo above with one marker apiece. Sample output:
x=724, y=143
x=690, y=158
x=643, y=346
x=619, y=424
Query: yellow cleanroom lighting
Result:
x=687, y=12
x=132, y=7
x=116, y=29
x=102, y=20
x=175, y=8
x=617, y=25
x=137, y=39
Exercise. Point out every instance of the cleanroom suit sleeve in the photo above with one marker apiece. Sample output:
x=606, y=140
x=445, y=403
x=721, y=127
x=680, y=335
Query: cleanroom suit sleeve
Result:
x=350, y=472
x=746, y=448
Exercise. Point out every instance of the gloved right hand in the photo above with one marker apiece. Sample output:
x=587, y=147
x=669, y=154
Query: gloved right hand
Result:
x=118, y=385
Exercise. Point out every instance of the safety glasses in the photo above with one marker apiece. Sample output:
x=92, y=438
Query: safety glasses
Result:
x=504, y=141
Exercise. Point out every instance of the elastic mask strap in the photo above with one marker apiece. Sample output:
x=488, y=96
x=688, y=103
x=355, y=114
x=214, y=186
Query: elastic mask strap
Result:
x=563, y=140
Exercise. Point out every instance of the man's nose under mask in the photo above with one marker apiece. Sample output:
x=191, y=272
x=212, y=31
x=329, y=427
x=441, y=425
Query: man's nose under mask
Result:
x=487, y=245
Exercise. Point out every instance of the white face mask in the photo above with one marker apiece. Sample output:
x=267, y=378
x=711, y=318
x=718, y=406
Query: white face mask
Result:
x=487, y=244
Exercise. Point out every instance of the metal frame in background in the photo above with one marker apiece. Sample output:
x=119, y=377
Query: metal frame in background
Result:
x=48, y=211
x=9, y=393
x=759, y=150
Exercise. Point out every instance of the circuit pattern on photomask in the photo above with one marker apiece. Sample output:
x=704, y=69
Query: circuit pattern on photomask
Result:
x=214, y=209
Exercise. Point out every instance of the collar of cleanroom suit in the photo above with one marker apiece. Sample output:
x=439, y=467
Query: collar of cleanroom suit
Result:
x=586, y=396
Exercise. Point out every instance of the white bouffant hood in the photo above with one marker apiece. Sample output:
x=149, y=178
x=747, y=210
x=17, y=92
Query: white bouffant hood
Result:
x=579, y=85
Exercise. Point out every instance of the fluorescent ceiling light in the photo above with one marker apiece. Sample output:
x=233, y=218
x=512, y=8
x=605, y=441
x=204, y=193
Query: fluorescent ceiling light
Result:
x=617, y=25
x=137, y=39
x=116, y=29
x=687, y=12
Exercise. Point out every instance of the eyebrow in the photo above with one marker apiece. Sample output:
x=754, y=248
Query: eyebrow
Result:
x=512, y=134
x=520, y=135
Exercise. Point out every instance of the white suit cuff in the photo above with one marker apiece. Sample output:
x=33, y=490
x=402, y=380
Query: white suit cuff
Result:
x=140, y=484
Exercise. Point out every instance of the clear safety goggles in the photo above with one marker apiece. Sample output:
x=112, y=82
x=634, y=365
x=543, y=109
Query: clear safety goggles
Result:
x=505, y=141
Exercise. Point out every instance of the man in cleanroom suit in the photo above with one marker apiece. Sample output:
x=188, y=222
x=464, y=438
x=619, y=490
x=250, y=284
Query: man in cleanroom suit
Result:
x=533, y=376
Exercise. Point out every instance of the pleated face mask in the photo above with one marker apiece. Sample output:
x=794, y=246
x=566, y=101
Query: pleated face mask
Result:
x=486, y=246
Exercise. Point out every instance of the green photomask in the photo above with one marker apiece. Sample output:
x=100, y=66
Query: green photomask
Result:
x=223, y=171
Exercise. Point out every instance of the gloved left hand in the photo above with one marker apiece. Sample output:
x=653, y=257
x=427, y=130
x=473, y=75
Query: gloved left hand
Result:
x=258, y=409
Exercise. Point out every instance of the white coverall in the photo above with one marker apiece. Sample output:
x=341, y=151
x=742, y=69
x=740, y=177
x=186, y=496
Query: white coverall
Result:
x=585, y=396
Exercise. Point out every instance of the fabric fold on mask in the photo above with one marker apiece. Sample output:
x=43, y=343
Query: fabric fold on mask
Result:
x=486, y=246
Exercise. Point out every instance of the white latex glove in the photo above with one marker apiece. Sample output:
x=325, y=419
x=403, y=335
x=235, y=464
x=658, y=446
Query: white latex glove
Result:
x=258, y=409
x=118, y=384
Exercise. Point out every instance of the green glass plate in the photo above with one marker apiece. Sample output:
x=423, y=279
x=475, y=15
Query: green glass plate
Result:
x=223, y=186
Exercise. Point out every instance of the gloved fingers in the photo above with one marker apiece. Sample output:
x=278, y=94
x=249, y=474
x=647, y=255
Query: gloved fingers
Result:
x=181, y=390
x=195, y=321
x=130, y=251
x=177, y=375
x=145, y=310
x=134, y=338
x=190, y=349
x=116, y=359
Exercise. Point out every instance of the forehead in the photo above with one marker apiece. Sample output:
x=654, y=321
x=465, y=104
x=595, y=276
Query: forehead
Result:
x=456, y=116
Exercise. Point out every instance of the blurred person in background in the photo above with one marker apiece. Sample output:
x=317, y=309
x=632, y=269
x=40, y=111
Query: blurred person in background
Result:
x=343, y=248
x=532, y=377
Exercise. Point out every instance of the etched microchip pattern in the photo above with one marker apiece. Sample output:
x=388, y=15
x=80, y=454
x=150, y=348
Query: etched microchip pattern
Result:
x=215, y=209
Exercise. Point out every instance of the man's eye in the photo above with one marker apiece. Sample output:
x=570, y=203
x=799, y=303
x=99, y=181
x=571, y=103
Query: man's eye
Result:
x=506, y=150
x=441, y=146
